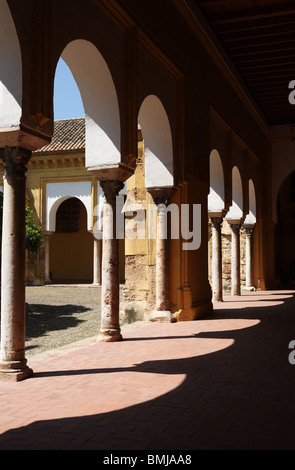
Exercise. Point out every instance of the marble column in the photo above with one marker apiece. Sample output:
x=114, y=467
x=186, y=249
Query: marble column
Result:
x=110, y=298
x=235, y=259
x=216, y=259
x=249, y=278
x=13, y=364
x=97, y=258
x=162, y=304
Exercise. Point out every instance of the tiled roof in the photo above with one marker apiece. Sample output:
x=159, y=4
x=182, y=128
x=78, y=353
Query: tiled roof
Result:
x=69, y=134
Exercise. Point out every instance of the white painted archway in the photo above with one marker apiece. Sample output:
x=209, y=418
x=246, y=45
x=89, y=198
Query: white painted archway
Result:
x=251, y=216
x=216, y=194
x=56, y=193
x=10, y=72
x=157, y=137
x=236, y=210
x=102, y=118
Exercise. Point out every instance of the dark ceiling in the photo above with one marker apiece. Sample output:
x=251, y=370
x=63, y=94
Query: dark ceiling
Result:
x=259, y=38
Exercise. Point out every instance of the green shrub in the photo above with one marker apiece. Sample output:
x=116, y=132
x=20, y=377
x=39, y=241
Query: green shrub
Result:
x=33, y=231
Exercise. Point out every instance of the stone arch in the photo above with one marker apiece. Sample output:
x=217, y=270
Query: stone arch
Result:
x=10, y=71
x=251, y=216
x=158, y=146
x=216, y=203
x=236, y=210
x=56, y=193
x=99, y=97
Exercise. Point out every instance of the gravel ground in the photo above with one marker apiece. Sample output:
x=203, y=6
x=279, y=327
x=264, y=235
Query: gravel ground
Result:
x=59, y=315
x=62, y=315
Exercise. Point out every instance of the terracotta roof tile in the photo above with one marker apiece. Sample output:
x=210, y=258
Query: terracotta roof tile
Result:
x=69, y=134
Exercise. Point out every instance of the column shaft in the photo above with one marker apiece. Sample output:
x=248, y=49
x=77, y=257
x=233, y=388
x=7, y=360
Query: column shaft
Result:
x=13, y=363
x=216, y=259
x=110, y=327
x=47, y=257
x=249, y=278
x=235, y=260
x=97, y=255
x=162, y=297
x=162, y=303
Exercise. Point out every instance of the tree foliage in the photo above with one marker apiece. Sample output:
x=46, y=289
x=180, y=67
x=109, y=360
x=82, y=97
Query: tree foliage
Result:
x=33, y=231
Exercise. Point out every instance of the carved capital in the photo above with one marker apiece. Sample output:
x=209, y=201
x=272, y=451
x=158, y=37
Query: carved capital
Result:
x=216, y=222
x=249, y=231
x=161, y=196
x=236, y=228
x=111, y=189
x=15, y=160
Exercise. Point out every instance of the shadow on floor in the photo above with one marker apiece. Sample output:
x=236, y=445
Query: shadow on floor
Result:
x=241, y=397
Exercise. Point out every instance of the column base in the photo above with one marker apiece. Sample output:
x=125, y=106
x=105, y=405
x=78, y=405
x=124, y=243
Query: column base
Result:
x=15, y=371
x=217, y=298
x=249, y=288
x=161, y=316
x=108, y=336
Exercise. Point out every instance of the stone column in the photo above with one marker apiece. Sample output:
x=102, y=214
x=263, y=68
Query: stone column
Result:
x=97, y=255
x=162, y=311
x=13, y=364
x=249, y=279
x=235, y=259
x=46, y=236
x=216, y=259
x=110, y=327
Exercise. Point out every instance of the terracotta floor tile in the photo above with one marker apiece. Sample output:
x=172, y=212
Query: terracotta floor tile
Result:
x=222, y=382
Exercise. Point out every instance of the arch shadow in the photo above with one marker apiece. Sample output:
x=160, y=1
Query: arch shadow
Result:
x=238, y=397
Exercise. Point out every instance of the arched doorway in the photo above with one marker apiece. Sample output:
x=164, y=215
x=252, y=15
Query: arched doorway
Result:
x=285, y=233
x=71, y=245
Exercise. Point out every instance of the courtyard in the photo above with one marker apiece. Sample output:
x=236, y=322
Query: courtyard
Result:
x=61, y=315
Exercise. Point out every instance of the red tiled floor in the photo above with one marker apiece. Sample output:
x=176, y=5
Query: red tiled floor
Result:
x=222, y=382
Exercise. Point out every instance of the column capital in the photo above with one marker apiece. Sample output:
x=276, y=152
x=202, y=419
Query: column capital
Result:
x=248, y=229
x=236, y=228
x=161, y=195
x=216, y=222
x=15, y=160
x=111, y=189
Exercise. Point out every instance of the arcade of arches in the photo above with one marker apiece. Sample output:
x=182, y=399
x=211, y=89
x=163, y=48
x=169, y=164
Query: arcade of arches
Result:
x=169, y=124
